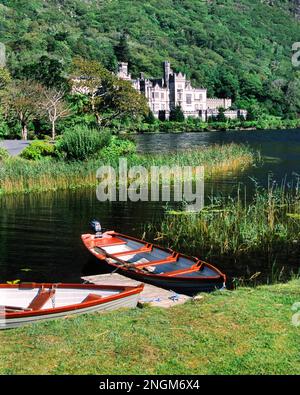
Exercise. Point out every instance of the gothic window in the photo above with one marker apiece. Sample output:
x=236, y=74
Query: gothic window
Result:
x=189, y=99
x=179, y=94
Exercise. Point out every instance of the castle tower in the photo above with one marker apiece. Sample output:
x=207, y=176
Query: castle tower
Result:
x=167, y=72
x=123, y=71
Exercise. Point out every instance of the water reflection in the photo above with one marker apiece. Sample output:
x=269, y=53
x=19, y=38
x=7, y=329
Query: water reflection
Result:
x=40, y=233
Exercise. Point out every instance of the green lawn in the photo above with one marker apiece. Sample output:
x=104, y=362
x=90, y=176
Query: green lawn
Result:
x=248, y=331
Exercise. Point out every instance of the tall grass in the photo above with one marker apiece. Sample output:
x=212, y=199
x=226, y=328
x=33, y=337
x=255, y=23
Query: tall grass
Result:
x=215, y=158
x=19, y=175
x=3, y=154
x=266, y=227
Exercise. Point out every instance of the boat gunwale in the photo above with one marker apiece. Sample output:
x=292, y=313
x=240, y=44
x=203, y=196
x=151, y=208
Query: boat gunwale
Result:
x=126, y=292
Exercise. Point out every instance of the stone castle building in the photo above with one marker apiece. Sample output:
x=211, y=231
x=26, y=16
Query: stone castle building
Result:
x=172, y=90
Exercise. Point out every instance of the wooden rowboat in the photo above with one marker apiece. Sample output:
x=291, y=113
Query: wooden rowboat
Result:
x=153, y=264
x=26, y=303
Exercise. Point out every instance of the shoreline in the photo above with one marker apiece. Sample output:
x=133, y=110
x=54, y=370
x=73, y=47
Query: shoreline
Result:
x=213, y=130
x=196, y=126
x=252, y=328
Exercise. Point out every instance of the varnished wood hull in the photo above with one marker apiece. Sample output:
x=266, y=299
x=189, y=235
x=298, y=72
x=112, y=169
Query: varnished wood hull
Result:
x=182, y=273
x=188, y=287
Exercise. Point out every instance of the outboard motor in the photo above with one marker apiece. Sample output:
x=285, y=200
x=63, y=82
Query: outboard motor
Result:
x=96, y=226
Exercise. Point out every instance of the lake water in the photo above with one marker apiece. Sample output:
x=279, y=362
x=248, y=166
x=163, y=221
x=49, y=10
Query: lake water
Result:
x=280, y=149
x=40, y=233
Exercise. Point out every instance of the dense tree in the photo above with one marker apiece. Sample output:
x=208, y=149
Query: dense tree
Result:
x=5, y=78
x=119, y=100
x=251, y=86
x=176, y=114
x=122, y=51
x=22, y=100
x=221, y=116
x=48, y=71
x=87, y=77
x=254, y=108
x=110, y=97
x=227, y=84
x=293, y=96
x=150, y=118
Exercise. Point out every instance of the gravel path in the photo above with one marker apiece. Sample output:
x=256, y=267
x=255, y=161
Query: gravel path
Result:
x=14, y=147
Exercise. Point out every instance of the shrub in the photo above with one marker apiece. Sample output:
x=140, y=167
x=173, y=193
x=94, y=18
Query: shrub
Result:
x=82, y=142
x=176, y=114
x=38, y=150
x=4, y=129
x=3, y=154
x=150, y=118
x=118, y=147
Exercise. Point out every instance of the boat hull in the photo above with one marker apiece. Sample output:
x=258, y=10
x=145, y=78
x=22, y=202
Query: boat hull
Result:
x=128, y=302
x=188, y=287
x=113, y=297
x=153, y=264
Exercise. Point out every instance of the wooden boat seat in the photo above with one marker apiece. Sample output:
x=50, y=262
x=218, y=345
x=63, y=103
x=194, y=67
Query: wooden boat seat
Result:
x=172, y=258
x=92, y=298
x=41, y=299
x=146, y=248
x=108, y=242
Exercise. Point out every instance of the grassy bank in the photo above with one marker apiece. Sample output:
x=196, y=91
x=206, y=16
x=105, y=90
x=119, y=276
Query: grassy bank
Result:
x=20, y=175
x=247, y=331
x=267, y=227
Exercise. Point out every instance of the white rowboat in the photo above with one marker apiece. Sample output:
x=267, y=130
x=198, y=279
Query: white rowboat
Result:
x=30, y=302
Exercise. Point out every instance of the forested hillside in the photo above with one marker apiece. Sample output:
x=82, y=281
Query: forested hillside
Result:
x=240, y=49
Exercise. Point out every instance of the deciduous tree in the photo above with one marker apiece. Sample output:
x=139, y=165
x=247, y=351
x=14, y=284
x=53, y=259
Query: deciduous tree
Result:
x=87, y=77
x=122, y=51
x=46, y=70
x=22, y=100
x=5, y=78
x=55, y=106
x=118, y=100
x=176, y=114
x=110, y=97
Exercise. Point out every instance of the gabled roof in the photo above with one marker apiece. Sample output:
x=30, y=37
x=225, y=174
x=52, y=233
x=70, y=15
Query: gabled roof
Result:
x=158, y=81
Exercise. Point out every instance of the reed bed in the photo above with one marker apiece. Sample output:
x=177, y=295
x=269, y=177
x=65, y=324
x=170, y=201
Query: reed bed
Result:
x=18, y=175
x=214, y=158
x=265, y=228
